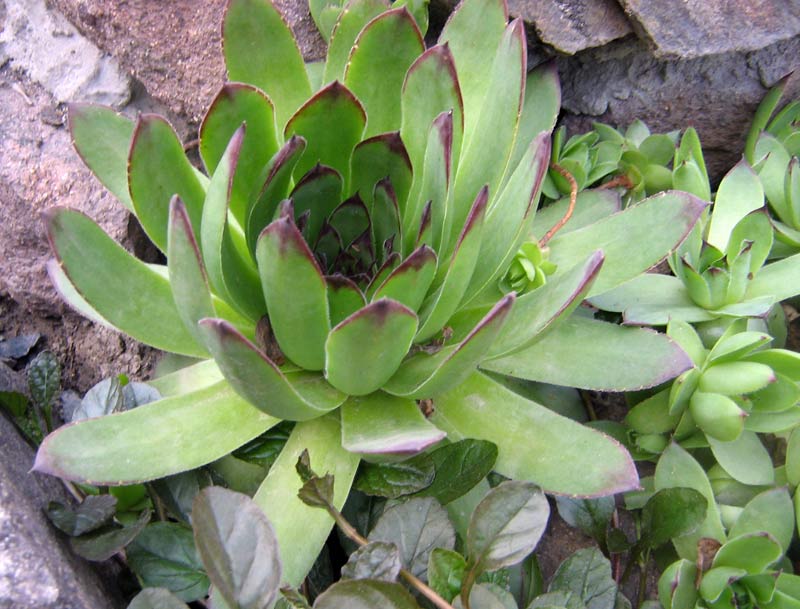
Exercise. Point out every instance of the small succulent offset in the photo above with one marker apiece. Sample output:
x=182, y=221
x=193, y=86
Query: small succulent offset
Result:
x=346, y=257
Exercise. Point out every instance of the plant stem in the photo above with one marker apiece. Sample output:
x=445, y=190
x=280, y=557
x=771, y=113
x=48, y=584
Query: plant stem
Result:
x=159, y=507
x=73, y=490
x=573, y=199
x=350, y=531
x=643, y=579
x=619, y=181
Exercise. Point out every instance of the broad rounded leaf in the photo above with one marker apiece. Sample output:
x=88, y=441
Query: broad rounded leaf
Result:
x=672, y=512
x=156, y=598
x=365, y=594
x=238, y=546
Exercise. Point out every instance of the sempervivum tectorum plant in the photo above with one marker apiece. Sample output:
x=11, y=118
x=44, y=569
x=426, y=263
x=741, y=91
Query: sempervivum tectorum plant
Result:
x=341, y=258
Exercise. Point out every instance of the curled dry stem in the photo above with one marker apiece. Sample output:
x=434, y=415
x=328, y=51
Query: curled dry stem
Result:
x=573, y=199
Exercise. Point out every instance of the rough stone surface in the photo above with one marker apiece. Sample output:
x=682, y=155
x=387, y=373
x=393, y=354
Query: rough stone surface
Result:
x=717, y=95
x=677, y=28
x=570, y=26
x=37, y=568
x=45, y=45
x=174, y=48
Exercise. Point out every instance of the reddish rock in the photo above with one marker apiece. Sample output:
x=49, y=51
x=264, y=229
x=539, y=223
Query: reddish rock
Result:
x=676, y=28
x=573, y=25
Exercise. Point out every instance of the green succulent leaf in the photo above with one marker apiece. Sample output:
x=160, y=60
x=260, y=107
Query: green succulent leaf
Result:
x=163, y=555
x=587, y=575
x=778, y=280
x=356, y=14
x=365, y=350
x=739, y=193
x=678, y=469
x=235, y=104
x=634, y=358
x=753, y=553
x=415, y=527
x=430, y=88
x=379, y=423
x=156, y=598
x=260, y=49
x=541, y=446
x=657, y=224
x=506, y=526
x=132, y=296
x=424, y=375
x=745, y=459
x=365, y=594
x=238, y=546
x=408, y=283
x=129, y=447
x=377, y=158
x=332, y=122
x=770, y=511
x=232, y=274
x=187, y=273
x=459, y=467
x=296, y=293
x=676, y=586
x=157, y=170
x=536, y=311
x=291, y=395
x=102, y=138
x=590, y=207
x=277, y=496
x=376, y=77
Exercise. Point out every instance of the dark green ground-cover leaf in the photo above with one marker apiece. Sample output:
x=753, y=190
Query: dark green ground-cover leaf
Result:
x=672, y=512
x=416, y=527
x=592, y=516
x=156, y=598
x=164, y=556
x=44, y=379
x=91, y=514
x=238, y=547
x=459, y=467
x=377, y=560
x=393, y=480
x=587, y=573
x=446, y=570
x=102, y=544
x=507, y=525
x=365, y=594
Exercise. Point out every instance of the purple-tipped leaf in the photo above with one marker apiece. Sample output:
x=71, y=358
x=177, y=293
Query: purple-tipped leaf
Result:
x=424, y=376
x=318, y=192
x=534, y=443
x=351, y=21
x=365, y=350
x=386, y=231
x=409, y=282
x=293, y=396
x=591, y=354
x=296, y=293
x=383, y=424
x=381, y=158
x=344, y=298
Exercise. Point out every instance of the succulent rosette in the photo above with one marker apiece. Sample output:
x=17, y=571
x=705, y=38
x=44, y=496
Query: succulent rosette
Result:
x=340, y=257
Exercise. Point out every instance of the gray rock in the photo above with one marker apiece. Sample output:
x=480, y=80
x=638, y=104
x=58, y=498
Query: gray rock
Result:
x=570, y=26
x=717, y=95
x=37, y=569
x=46, y=46
x=676, y=28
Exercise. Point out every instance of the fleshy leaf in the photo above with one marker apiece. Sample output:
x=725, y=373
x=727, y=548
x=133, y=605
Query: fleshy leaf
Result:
x=356, y=15
x=770, y=511
x=590, y=207
x=374, y=75
x=430, y=88
x=70, y=295
x=277, y=496
x=658, y=224
x=779, y=280
x=739, y=193
x=231, y=273
x=260, y=50
x=296, y=293
x=365, y=350
x=344, y=298
x=425, y=375
x=102, y=138
x=332, y=122
x=129, y=294
x=294, y=396
x=141, y=444
x=187, y=275
x=238, y=103
x=488, y=142
x=539, y=446
x=409, y=282
x=753, y=552
x=277, y=178
x=238, y=546
x=318, y=192
x=157, y=170
x=385, y=424
x=378, y=158
x=745, y=459
x=536, y=311
x=633, y=358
